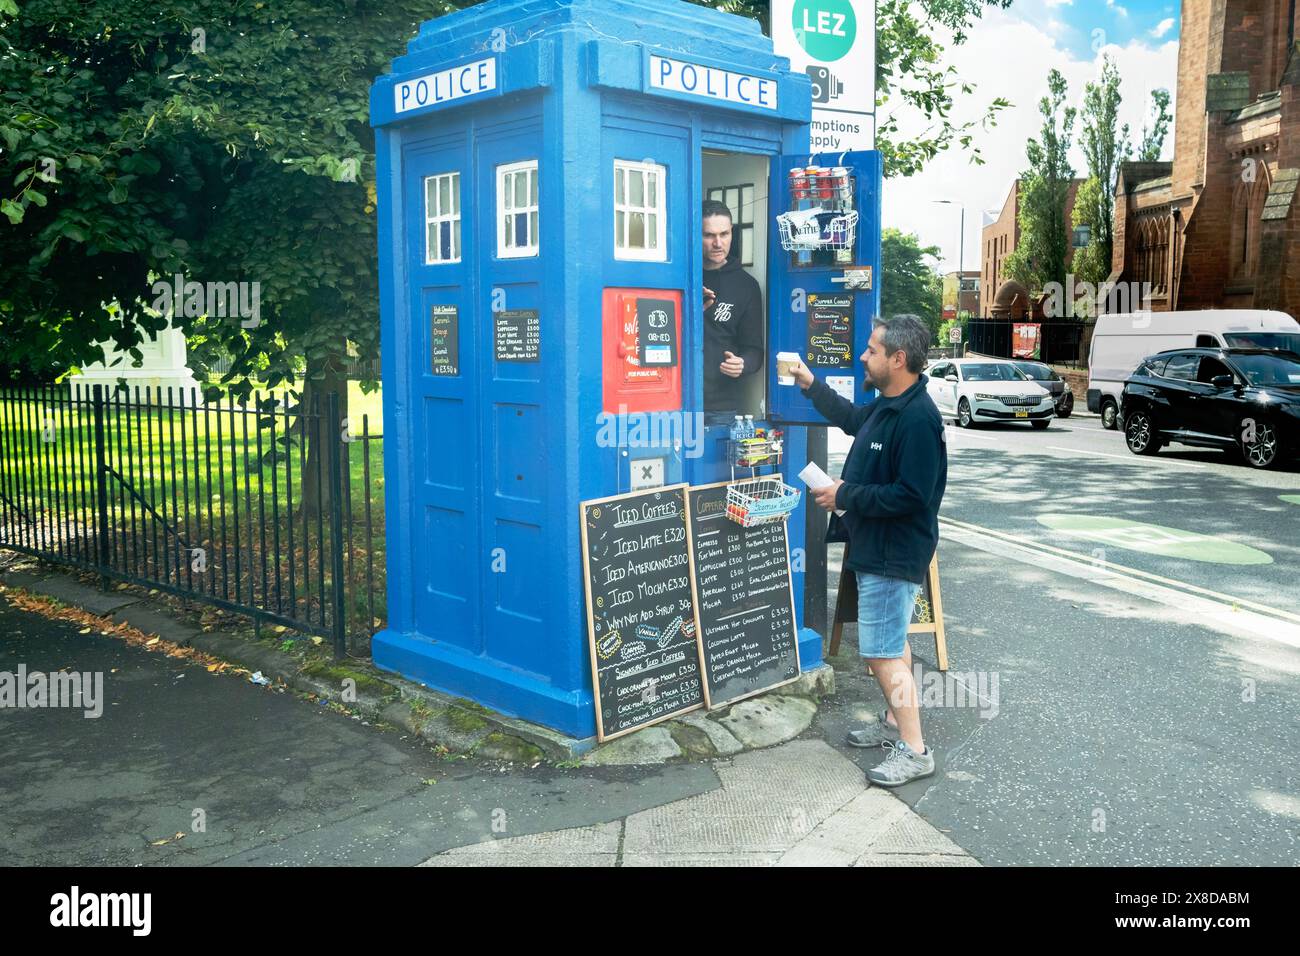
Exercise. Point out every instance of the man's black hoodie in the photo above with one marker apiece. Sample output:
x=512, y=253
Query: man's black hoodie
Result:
x=894, y=479
x=734, y=323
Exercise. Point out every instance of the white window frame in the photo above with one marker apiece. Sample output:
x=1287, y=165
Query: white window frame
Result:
x=505, y=206
x=658, y=210
x=432, y=217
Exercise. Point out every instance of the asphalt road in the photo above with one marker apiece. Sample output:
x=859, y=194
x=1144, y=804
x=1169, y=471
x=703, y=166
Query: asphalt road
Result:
x=1125, y=731
x=1027, y=483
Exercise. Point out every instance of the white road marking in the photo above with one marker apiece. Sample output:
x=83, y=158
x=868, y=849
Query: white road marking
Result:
x=1118, y=570
x=1129, y=457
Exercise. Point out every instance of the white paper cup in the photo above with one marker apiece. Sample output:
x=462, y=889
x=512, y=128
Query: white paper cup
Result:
x=785, y=362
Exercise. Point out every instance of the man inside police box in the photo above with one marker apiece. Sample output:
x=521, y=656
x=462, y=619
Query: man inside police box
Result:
x=893, y=482
x=733, y=317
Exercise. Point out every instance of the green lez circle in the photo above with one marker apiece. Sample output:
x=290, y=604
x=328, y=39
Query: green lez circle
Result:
x=825, y=28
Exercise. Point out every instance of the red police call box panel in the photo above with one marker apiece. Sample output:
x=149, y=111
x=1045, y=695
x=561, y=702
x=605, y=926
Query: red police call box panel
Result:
x=641, y=350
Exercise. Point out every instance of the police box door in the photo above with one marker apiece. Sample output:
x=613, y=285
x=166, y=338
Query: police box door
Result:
x=824, y=268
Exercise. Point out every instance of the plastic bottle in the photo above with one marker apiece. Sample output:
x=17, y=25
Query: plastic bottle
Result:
x=738, y=429
x=749, y=426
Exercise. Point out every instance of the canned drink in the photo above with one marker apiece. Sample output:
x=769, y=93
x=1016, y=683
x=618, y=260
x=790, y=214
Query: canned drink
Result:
x=814, y=174
x=827, y=183
x=843, y=185
x=798, y=184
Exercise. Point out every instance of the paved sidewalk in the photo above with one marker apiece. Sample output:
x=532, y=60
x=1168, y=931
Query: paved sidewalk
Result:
x=800, y=804
x=282, y=781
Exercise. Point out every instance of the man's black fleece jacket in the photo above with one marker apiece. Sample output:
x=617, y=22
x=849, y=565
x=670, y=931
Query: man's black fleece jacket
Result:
x=894, y=479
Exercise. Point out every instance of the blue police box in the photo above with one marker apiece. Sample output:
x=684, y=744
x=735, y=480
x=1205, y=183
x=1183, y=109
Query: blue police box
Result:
x=542, y=166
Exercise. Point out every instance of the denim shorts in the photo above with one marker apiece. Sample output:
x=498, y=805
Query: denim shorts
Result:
x=884, y=613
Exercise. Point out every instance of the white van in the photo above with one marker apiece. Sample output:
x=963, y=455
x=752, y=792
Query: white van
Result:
x=1121, y=341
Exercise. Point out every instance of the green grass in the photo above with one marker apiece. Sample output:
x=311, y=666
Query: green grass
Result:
x=191, y=458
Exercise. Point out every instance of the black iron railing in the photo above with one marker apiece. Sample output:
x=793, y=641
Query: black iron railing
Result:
x=1059, y=342
x=262, y=507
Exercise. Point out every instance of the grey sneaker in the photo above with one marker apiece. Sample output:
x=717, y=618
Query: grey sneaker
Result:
x=873, y=735
x=903, y=765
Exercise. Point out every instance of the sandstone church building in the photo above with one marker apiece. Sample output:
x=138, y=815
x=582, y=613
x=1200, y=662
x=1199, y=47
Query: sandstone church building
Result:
x=1218, y=227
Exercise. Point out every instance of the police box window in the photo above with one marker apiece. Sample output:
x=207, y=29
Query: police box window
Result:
x=517, y=210
x=442, y=218
x=639, y=211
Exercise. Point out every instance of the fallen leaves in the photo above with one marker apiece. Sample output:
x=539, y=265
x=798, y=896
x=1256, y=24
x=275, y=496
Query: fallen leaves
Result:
x=36, y=604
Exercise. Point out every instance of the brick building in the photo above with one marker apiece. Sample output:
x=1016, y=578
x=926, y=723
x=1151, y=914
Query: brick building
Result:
x=1004, y=297
x=1216, y=227
x=964, y=302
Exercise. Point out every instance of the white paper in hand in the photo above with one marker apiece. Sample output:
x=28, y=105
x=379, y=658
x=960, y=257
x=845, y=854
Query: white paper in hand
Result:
x=815, y=478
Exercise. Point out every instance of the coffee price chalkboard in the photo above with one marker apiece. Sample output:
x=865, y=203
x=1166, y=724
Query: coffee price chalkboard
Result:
x=640, y=616
x=743, y=599
x=830, y=331
x=444, y=340
x=518, y=335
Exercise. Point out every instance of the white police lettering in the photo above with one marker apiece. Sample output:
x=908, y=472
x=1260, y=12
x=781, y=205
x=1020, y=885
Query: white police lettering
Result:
x=722, y=312
x=697, y=80
x=444, y=86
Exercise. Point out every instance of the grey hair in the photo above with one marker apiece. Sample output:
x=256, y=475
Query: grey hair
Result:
x=908, y=334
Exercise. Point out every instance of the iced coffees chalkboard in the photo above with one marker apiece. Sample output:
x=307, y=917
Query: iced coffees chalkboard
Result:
x=640, y=618
x=743, y=600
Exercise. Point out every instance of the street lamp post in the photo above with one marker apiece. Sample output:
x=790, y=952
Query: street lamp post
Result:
x=961, y=254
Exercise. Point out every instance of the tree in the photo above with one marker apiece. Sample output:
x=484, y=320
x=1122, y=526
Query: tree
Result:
x=222, y=142
x=1153, y=139
x=1105, y=145
x=1040, y=255
x=1092, y=263
x=908, y=284
x=911, y=77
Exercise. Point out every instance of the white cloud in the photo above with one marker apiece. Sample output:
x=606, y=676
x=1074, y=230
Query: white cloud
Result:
x=908, y=203
x=1163, y=27
x=1122, y=11
x=1059, y=3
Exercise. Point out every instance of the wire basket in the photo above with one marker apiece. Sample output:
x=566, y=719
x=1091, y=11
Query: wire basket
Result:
x=821, y=230
x=756, y=501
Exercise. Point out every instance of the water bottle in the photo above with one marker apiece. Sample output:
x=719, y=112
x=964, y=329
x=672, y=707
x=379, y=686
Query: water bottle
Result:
x=749, y=426
x=738, y=429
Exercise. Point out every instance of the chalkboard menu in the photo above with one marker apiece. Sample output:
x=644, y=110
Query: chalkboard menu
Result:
x=743, y=599
x=830, y=331
x=444, y=340
x=518, y=335
x=640, y=616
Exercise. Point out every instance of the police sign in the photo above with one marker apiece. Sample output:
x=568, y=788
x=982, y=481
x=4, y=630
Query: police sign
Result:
x=435, y=89
x=710, y=82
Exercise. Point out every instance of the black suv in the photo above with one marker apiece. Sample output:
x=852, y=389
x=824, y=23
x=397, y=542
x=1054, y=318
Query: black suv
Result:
x=1247, y=400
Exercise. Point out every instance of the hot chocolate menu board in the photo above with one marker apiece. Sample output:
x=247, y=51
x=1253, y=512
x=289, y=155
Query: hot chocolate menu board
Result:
x=640, y=616
x=444, y=340
x=743, y=599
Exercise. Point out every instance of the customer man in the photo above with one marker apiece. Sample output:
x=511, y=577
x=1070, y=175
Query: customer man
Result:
x=893, y=481
x=733, y=316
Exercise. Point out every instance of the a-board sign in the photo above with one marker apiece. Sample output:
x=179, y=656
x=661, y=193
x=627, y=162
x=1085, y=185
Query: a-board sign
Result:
x=743, y=599
x=640, y=614
x=444, y=340
x=518, y=335
x=830, y=331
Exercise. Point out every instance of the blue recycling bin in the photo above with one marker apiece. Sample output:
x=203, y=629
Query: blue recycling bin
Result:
x=541, y=170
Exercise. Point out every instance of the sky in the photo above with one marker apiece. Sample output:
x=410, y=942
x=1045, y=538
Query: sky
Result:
x=1008, y=54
